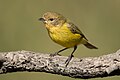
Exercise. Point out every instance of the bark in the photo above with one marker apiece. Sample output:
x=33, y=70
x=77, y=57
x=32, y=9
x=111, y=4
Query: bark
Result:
x=106, y=65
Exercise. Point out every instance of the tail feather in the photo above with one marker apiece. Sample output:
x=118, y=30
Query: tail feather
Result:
x=90, y=46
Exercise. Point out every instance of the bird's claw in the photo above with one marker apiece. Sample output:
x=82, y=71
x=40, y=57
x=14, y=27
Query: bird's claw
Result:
x=68, y=60
x=52, y=55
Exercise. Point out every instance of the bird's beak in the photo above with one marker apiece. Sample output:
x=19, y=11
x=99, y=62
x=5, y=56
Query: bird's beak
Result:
x=42, y=19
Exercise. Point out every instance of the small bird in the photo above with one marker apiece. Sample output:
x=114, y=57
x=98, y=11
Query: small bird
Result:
x=64, y=33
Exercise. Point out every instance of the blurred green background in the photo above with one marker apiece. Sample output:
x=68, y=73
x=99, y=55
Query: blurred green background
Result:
x=20, y=29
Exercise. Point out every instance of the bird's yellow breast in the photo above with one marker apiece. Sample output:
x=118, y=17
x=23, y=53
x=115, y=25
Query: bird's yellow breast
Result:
x=63, y=36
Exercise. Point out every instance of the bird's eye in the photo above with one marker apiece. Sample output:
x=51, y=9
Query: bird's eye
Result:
x=51, y=19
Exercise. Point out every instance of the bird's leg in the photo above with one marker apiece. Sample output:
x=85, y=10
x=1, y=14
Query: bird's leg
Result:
x=70, y=57
x=57, y=53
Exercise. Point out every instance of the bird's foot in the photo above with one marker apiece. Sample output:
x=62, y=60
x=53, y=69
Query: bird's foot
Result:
x=52, y=55
x=68, y=60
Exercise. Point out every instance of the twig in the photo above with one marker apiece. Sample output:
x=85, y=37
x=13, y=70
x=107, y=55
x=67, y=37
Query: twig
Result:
x=106, y=65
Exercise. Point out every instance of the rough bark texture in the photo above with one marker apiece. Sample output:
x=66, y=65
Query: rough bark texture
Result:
x=106, y=65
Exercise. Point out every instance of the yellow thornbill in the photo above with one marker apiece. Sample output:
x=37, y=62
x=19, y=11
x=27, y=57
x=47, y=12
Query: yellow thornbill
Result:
x=64, y=33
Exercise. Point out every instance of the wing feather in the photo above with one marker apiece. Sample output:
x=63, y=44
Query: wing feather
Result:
x=74, y=29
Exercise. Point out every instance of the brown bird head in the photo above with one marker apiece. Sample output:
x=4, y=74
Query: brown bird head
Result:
x=53, y=19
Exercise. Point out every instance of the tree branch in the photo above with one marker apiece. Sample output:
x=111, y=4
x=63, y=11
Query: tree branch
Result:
x=106, y=65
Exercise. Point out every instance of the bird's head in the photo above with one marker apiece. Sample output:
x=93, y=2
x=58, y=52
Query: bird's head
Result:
x=53, y=19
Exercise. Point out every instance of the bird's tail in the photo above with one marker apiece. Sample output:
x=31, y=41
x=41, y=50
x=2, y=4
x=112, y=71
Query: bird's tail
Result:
x=90, y=46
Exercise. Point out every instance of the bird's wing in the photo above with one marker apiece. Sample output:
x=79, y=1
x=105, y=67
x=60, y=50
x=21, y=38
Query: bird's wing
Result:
x=74, y=29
